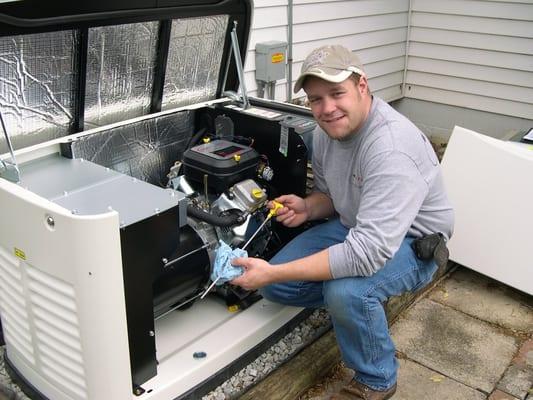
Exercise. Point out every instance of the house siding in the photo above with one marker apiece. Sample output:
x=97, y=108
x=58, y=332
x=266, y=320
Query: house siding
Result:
x=473, y=54
x=375, y=29
x=476, y=54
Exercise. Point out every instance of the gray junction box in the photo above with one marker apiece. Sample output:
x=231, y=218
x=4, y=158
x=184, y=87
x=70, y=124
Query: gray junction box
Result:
x=270, y=60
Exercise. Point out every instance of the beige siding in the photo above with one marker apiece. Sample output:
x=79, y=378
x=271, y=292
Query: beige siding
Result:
x=476, y=54
x=375, y=29
x=473, y=54
x=269, y=23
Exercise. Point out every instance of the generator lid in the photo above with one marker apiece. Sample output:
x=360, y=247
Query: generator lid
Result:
x=68, y=66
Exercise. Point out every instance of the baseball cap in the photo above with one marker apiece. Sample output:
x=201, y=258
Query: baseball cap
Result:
x=332, y=63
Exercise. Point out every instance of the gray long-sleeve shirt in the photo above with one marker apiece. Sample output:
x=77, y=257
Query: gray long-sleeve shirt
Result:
x=385, y=183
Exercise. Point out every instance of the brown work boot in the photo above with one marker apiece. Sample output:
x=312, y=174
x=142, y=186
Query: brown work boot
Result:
x=357, y=391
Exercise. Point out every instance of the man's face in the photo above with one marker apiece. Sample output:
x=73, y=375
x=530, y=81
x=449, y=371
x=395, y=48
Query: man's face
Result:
x=339, y=108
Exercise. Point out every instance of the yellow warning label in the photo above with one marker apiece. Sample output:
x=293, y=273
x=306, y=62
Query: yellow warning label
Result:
x=277, y=58
x=20, y=254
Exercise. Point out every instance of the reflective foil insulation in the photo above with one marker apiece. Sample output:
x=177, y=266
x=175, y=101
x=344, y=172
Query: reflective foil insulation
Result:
x=120, y=69
x=144, y=149
x=39, y=75
x=194, y=59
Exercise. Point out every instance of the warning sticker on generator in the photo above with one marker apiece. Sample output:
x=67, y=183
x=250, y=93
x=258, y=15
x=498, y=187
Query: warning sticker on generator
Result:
x=20, y=254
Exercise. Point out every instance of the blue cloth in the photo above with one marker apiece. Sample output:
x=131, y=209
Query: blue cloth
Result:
x=222, y=269
x=354, y=303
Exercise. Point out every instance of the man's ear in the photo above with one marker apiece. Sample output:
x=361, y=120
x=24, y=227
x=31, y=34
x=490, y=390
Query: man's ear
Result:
x=362, y=85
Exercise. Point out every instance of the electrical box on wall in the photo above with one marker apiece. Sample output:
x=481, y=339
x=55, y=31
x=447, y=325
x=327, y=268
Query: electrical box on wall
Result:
x=270, y=60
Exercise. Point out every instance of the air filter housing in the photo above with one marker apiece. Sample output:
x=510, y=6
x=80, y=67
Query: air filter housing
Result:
x=221, y=162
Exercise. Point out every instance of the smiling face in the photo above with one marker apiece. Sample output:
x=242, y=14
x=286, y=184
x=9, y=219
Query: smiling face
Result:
x=339, y=108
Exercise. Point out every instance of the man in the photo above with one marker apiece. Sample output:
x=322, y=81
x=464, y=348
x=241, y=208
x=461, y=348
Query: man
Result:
x=378, y=182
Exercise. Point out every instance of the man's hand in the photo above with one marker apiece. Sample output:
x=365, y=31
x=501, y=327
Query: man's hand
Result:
x=257, y=273
x=294, y=211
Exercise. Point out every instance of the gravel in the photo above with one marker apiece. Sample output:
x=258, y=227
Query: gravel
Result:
x=302, y=335
x=8, y=390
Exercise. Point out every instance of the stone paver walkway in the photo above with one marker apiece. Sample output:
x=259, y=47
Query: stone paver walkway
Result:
x=468, y=338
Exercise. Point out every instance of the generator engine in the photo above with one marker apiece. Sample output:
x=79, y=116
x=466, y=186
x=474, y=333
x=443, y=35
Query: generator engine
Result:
x=225, y=202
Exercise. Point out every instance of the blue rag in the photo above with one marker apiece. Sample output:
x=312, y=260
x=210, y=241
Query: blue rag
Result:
x=222, y=269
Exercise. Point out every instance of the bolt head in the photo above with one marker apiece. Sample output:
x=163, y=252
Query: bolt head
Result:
x=199, y=354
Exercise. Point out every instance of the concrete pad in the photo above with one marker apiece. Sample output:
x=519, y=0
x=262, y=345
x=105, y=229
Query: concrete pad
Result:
x=486, y=299
x=416, y=382
x=457, y=345
x=516, y=381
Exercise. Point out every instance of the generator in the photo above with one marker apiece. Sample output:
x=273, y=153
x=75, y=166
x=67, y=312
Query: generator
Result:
x=128, y=155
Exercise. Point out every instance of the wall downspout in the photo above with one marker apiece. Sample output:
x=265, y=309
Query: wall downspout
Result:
x=407, y=41
x=289, y=50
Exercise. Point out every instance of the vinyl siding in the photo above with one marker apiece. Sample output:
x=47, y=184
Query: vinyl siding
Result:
x=473, y=54
x=375, y=29
x=476, y=54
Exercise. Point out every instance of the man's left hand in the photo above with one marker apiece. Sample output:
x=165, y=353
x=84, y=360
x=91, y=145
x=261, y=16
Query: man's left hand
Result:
x=257, y=273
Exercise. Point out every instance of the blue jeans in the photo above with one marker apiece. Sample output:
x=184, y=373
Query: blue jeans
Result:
x=354, y=303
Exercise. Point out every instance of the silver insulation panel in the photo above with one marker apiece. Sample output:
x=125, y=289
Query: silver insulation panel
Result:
x=120, y=72
x=194, y=60
x=38, y=75
x=144, y=149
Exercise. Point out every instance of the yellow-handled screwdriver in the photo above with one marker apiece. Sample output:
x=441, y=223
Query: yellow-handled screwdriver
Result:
x=273, y=212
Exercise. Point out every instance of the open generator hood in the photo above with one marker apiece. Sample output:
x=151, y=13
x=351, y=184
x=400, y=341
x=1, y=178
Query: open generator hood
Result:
x=73, y=66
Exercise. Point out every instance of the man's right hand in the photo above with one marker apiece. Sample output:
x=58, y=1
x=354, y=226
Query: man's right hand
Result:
x=294, y=211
